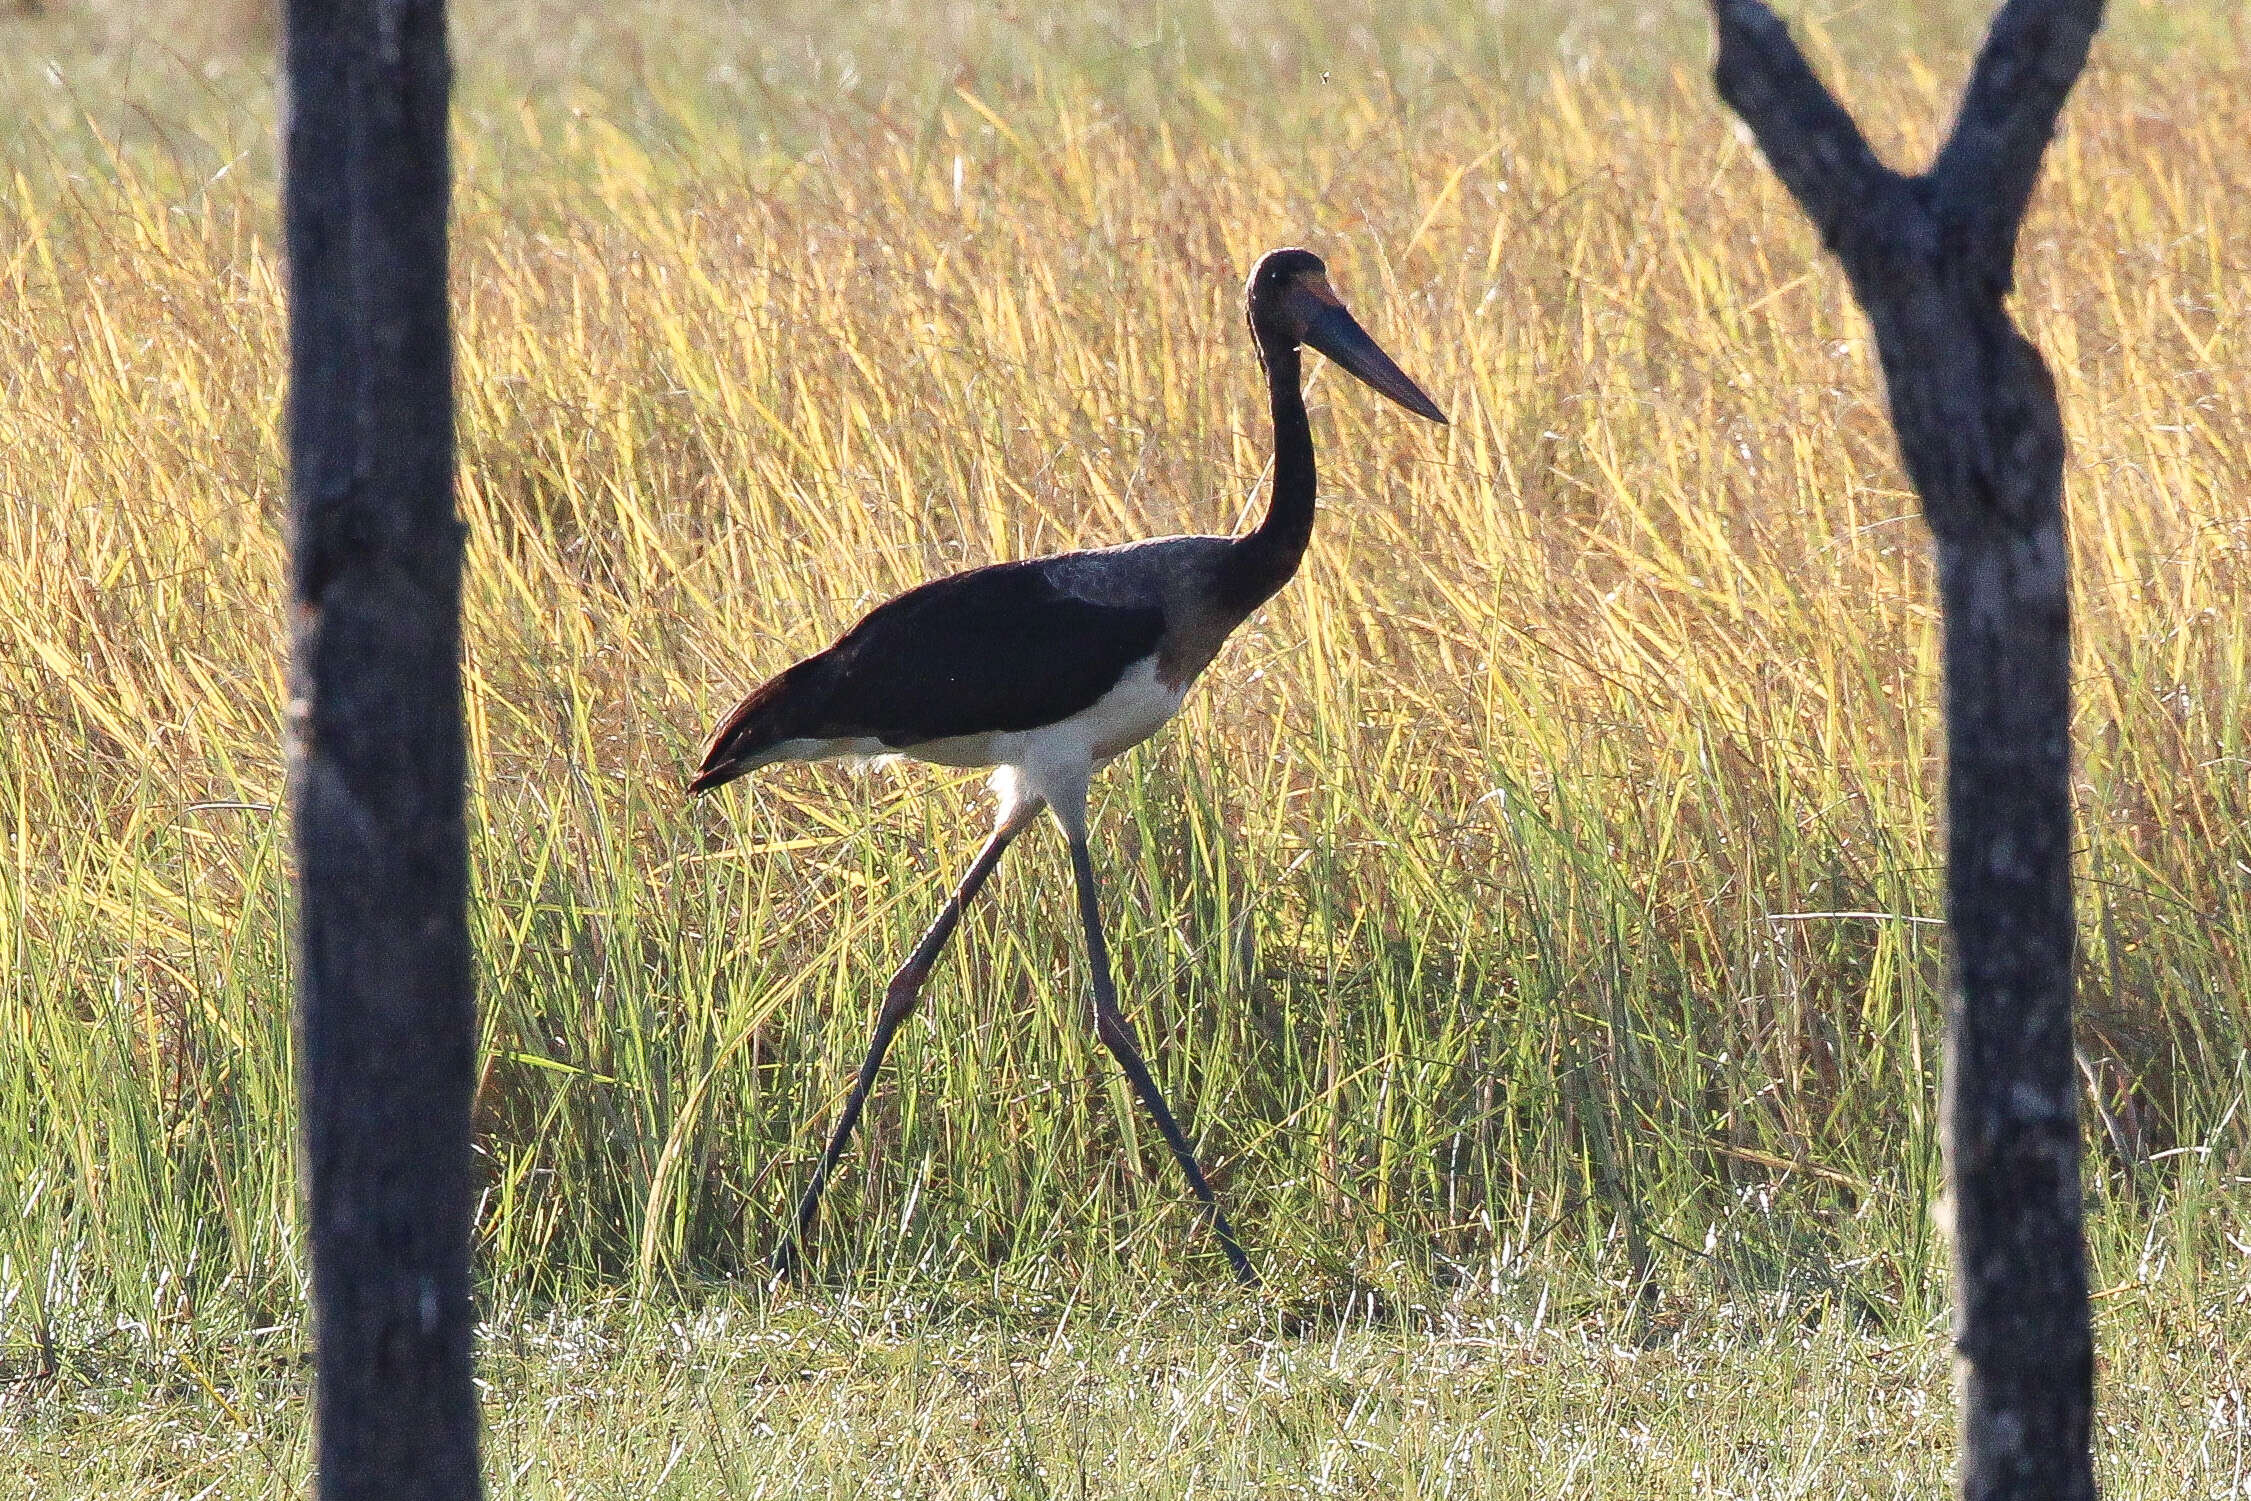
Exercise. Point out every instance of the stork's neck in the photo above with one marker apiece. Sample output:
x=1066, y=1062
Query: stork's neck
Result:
x=1264, y=559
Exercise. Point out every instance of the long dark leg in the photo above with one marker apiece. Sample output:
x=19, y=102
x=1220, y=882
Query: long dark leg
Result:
x=1117, y=1035
x=899, y=998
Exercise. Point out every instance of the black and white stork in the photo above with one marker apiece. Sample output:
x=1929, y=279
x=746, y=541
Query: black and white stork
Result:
x=1048, y=669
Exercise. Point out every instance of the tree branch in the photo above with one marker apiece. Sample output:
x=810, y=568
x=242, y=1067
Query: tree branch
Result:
x=1984, y=174
x=1982, y=438
x=1808, y=138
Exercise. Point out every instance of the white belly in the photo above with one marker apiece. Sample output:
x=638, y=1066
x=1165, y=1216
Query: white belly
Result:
x=1136, y=707
x=1036, y=766
x=1049, y=765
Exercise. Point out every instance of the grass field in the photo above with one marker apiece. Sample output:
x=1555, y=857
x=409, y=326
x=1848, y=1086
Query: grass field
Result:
x=1162, y=1401
x=1533, y=912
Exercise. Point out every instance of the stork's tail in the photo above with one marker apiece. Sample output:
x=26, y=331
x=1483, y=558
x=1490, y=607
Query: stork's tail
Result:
x=774, y=712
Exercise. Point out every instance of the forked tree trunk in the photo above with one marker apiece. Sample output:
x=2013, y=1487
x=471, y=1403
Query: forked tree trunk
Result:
x=386, y=1018
x=1930, y=259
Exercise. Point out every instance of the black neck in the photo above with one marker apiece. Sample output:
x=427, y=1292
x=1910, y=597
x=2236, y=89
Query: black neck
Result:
x=1264, y=559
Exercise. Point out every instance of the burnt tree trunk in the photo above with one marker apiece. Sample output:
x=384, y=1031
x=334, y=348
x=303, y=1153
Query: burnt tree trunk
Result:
x=386, y=1016
x=1930, y=259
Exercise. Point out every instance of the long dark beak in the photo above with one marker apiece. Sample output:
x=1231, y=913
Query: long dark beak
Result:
x=1334, y=332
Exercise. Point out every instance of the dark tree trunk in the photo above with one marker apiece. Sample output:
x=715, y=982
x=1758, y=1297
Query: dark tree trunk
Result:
x=386, y=1018
x=1930, y=259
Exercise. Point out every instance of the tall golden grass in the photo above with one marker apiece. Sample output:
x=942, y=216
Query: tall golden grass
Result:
x=1546, y=878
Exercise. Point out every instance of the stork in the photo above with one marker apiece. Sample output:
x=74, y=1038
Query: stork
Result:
x=1050, y=668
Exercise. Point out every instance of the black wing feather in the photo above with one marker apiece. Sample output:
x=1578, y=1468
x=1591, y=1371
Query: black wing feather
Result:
x=994, y=649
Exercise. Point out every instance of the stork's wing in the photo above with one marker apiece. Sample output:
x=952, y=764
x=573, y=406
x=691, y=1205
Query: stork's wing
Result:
x=995, y=649
x=999, y=648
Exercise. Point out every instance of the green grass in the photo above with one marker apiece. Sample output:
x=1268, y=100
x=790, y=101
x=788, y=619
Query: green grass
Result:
x=1018, y=1395
x=1537, y=896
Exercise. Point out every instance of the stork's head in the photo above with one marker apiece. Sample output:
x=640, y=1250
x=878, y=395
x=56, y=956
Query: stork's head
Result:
x=1289, y=302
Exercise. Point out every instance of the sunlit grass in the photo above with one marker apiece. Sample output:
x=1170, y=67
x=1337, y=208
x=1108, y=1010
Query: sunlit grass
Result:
x=1545, y=884
x=1163, y=1399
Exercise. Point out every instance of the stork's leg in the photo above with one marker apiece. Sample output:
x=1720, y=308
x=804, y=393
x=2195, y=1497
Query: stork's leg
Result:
x=1117, y=1035
x=899, y=998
